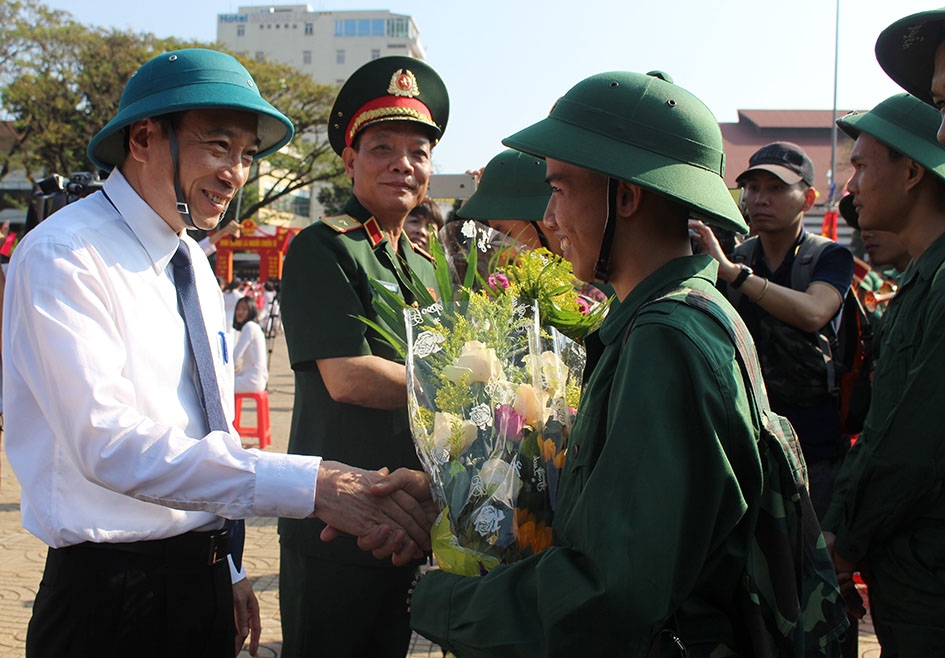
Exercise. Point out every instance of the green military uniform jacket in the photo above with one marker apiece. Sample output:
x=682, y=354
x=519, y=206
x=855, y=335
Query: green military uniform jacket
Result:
x=651, y=517
x=325, y=287
x=888, y=507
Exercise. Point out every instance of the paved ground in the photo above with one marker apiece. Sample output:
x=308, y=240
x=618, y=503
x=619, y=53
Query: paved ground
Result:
x=22, y=556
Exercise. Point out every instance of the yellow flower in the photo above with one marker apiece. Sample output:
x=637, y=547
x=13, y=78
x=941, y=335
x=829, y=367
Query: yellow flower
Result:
x=549, y=452
x=530, y=403
x=531, y=533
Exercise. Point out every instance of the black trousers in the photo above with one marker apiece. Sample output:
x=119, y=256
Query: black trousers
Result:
x=107, y=600
x=341, y=610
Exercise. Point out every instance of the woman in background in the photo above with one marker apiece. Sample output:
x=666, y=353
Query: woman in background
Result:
x=249, y=352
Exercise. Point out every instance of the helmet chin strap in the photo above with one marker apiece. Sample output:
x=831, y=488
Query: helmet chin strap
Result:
x=182, y=206
x=602, y=270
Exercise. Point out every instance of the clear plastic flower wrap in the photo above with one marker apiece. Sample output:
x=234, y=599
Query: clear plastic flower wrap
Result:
x=494, y=367
x=489, y=413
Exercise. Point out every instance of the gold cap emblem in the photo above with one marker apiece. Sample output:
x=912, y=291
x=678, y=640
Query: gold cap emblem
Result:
x=403, y=83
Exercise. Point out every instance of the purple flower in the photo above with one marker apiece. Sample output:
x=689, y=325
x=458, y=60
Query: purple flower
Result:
x=509, y=422
x=498, y=279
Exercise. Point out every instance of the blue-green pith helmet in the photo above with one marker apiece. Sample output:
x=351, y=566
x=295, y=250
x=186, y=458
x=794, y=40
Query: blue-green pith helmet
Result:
x=189, y=79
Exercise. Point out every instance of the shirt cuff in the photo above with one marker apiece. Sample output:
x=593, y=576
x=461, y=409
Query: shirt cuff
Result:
x=285, y=485
x=235, y=576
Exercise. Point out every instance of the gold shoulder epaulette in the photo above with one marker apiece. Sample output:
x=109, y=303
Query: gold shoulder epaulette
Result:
x=341, y=223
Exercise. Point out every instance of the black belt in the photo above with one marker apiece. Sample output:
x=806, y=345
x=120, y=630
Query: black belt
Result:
x=205, y=547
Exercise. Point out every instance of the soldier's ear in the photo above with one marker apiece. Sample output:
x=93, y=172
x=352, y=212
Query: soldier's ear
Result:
x=629, y=198
x=914, y=173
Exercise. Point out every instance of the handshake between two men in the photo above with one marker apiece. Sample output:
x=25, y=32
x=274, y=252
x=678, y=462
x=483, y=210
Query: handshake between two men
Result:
x=390, y=513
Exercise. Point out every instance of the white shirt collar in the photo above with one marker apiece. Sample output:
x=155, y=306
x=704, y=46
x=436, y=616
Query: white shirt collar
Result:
x=157, y=238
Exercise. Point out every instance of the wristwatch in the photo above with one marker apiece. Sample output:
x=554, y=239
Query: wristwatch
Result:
x=740, y=279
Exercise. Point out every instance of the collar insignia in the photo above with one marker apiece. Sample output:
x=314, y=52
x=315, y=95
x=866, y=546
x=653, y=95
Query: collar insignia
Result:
x=375, y=234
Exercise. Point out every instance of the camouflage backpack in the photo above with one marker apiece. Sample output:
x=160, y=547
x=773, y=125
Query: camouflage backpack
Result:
x=790, y=603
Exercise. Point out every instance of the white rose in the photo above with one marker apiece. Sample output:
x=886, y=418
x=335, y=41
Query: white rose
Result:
x=453, y=434
x=554, y=373
x=481, y=361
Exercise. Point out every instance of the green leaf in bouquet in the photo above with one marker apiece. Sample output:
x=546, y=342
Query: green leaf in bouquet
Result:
x=453, y=558
x=444, y=283
x=399, y=344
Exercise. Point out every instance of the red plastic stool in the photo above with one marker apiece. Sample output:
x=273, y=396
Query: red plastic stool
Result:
x=261, y=430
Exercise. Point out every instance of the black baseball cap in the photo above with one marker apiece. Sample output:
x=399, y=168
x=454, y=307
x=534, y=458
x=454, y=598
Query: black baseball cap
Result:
x=785, y=160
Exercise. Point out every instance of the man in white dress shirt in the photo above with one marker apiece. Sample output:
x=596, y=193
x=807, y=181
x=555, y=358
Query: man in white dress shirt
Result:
x=106, y=429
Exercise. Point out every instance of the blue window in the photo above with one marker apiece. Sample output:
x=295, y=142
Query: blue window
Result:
x=339, y=28
x=351, y=28
x=364, y=28
x=378, y=27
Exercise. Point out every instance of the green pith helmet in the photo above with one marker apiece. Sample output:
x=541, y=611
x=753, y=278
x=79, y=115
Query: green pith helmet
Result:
x=393, y=88
x=642, y=129
x=905, y=124
x=906, y=51
x=190, y=79
x=512, y=186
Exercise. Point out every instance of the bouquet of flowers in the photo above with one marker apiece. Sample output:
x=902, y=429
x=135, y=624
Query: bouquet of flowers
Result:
x=493, y=385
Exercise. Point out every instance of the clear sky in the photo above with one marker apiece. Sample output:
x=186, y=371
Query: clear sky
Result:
x=505, y=62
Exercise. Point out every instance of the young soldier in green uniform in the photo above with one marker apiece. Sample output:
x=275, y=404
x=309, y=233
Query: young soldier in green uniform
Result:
x=350, y=391
x=888, y=509
x=657, y=499
x=511, y=198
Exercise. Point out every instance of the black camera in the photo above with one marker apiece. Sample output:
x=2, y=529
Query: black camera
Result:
x=55, y=192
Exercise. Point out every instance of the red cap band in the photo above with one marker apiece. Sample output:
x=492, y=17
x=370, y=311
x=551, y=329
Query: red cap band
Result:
x=388, y=107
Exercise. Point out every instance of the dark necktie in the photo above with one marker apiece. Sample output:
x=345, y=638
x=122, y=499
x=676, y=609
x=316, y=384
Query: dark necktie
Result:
x=209, y=390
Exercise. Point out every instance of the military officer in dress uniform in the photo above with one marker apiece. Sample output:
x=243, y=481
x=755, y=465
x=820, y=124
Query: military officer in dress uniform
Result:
x=350, y=387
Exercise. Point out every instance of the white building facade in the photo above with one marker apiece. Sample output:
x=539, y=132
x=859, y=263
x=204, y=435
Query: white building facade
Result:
x=328, y=45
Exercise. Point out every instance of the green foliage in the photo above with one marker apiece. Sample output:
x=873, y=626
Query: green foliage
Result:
x=541, y=276
x=61, y=81
x=334, y=194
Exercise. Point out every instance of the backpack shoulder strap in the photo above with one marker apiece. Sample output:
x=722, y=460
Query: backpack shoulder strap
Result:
x=733, y=326
x=802, y=271
x=745, y=252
